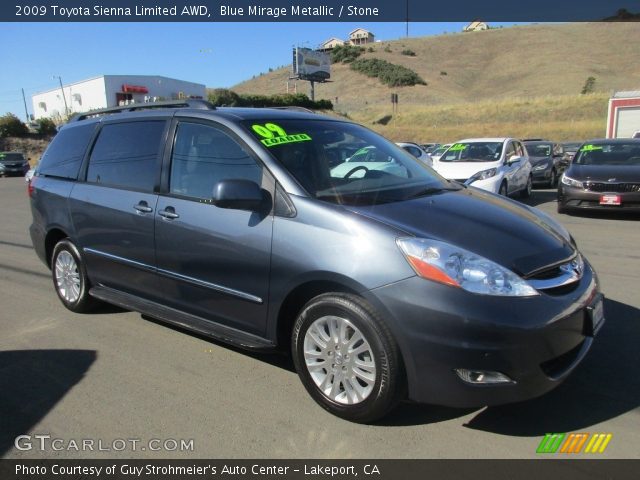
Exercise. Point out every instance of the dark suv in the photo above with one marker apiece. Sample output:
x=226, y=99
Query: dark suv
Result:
x=384, y=280
x=13, y=163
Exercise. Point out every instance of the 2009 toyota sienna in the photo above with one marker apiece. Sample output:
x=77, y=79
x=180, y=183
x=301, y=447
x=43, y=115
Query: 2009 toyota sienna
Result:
x=384, y=283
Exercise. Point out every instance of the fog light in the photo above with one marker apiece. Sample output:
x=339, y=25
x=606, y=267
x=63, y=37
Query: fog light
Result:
x=482, y=377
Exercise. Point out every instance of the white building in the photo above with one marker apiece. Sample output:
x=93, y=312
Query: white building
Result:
x=110, y=91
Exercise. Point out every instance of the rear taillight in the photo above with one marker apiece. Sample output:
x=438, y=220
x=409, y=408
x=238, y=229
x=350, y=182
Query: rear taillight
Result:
x=30, y=187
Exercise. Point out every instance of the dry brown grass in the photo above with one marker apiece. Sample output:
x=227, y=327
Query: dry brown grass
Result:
x=569, y=117
x=522, y=81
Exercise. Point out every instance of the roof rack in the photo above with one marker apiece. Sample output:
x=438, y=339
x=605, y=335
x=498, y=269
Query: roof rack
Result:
x=190, y=103
x=293, y=107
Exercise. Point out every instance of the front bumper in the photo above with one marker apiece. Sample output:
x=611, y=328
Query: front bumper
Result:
x=491, y=184
x=578, y=198
x=541, y=176
x=535, y=341
x=18, y=171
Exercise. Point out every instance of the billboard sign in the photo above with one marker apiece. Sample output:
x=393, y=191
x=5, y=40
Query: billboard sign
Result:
x=311, y=65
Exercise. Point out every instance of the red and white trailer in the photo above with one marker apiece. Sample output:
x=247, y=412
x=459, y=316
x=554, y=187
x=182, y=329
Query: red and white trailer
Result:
x=623, y=119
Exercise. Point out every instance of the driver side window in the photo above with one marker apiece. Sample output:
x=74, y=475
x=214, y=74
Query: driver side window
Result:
x=204, y=155
x=510, y=152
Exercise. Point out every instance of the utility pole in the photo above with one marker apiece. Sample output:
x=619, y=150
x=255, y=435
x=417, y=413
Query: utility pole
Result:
x=26, y=112
x=407, y=18
x=66, y=108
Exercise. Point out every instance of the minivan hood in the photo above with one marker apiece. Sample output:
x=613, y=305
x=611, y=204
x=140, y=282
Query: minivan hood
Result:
x=605, y=173
x=462, y=170
x=510, y=234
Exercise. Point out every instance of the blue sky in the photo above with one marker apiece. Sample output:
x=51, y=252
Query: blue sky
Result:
x=217, y=55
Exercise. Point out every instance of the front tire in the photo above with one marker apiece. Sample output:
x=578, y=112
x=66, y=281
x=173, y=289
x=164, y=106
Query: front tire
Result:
x=503, y=189
x=526, y=191
x=553, y=181
x=70, y=278
x=347, y=358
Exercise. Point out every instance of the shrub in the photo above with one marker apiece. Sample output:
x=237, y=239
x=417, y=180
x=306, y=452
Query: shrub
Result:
x=383, y=120
x=46, y=126
x=388, y=73
x=443, y=73
x=11, y=126
x=223, y=96
x=345, y=53
x=370, y=50
x=408, y=52
x=387, y=49
x=589, y=85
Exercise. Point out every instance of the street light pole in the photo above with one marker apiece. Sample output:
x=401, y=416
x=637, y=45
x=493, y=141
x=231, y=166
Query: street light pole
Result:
x=66, y=108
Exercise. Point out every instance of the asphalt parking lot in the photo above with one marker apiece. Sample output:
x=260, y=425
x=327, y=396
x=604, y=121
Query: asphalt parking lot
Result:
x=116, y=375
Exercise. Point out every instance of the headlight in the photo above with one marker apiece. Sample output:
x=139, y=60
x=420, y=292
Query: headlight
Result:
x=571, y=182
x=454, y=266
x=484, y=174
x=540, y=166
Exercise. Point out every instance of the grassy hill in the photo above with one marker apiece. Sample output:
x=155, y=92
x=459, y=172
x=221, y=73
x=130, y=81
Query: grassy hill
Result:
x=522, y=81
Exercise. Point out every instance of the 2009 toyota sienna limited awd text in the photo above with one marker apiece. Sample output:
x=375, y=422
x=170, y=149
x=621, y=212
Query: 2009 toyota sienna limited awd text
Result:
x=385, y=281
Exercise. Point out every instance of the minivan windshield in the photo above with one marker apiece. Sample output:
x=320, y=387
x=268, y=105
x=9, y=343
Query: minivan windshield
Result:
x=473, y=152
x=345, y=163
x=609, y=154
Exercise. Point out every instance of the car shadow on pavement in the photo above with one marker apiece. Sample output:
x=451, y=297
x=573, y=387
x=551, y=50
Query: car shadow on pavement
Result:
x=275, y=358
x=606, y=385
x=32, y=382
x=538, y=197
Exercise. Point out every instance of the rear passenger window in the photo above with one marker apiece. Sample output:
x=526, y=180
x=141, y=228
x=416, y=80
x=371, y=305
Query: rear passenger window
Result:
x=204, y=155
x=127, y=155
x=64, y=155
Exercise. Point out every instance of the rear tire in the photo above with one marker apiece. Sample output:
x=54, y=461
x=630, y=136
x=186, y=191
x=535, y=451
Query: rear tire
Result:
x=553, y=181
x=503, y=189
x=347, y=358
x=70, y=278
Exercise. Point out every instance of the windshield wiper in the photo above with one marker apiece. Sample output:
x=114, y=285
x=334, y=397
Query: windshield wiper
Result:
x=433, y=190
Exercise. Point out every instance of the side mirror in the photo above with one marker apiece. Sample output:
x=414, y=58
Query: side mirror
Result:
x=238, y=195
x=513, y=159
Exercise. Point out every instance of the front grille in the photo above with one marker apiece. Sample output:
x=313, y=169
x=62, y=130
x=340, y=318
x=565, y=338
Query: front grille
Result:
x=546, y=274
x=612, y=187
x=556, y=367
x=558, y=279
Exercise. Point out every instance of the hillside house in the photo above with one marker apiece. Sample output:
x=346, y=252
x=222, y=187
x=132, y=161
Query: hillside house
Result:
x=360, y=36
x=476, y=27
x=330, y=44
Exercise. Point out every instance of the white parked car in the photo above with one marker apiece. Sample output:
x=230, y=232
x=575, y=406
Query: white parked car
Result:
x=417, y=151
x=437, y=153
x=499, y=165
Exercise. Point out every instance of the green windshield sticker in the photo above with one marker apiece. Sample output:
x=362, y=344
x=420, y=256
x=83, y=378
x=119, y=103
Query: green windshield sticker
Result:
x=590, y=148
x=457, y=147
x=273, y=135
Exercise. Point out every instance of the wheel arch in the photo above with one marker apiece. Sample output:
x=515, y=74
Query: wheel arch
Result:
x=298, y=296
x=54, y=235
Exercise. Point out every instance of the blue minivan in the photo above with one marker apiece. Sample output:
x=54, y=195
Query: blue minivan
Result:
x=385, y=281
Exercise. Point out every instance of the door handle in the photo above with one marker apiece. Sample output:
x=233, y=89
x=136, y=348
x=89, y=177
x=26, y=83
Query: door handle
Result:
x=143, y=207
x=169, y=213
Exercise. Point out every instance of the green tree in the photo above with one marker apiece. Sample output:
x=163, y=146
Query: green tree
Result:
x=11, y=126
x=46, y=126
